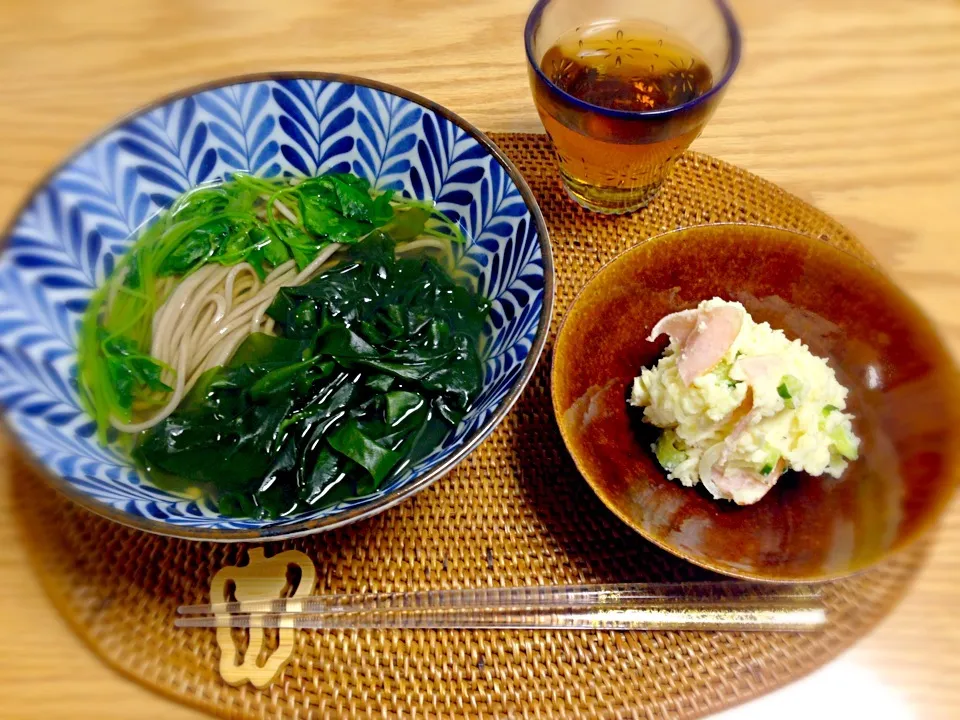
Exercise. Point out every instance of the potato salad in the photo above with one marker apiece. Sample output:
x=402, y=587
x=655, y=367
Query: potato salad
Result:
x=740, y=404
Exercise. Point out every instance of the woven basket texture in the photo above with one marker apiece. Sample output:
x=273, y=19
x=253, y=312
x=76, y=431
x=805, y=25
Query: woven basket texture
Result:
x=516, y=512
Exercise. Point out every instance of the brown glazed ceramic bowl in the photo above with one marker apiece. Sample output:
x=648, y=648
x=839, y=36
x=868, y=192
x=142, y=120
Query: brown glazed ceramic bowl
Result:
x=903, y=391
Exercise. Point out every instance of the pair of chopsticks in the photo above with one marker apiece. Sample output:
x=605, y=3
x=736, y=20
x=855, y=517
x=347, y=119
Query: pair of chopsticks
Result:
x=732, y=606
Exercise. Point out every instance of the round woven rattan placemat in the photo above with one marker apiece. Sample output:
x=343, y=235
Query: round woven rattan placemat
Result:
x=514, y=513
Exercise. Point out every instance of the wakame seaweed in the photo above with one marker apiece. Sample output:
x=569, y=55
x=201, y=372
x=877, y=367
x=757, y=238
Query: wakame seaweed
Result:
x=374, y=361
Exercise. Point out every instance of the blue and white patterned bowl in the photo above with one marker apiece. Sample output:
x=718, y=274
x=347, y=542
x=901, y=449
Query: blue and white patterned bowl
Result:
x=72, y=230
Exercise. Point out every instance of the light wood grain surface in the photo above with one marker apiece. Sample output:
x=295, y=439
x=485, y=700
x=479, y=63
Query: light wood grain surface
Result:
x=852, y=104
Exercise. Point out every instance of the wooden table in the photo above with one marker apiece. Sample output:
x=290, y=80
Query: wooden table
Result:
x=853, y=105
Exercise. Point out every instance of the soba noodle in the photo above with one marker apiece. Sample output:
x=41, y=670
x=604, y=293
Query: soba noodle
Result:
x=206, y=318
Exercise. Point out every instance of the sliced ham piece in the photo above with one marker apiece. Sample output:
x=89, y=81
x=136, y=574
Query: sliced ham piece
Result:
x=713, y=334
x=704, y=337
x=709, y=461
x=677, y=325
x=760, y=367
x=744, y=487
x=745, y=415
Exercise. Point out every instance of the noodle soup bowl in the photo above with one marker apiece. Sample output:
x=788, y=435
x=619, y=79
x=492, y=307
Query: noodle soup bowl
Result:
x=71, y=232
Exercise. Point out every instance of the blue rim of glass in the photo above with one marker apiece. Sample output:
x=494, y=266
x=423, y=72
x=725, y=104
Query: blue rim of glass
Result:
x=733, y=60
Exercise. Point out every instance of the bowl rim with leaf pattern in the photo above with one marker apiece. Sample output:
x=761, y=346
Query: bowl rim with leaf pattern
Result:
x=903, y=384
x=79, y=218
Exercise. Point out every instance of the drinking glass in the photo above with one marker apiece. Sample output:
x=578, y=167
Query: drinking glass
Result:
x=611, y=159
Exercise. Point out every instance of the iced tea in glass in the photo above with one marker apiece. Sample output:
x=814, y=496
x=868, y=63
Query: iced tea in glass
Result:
x=623, y=88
